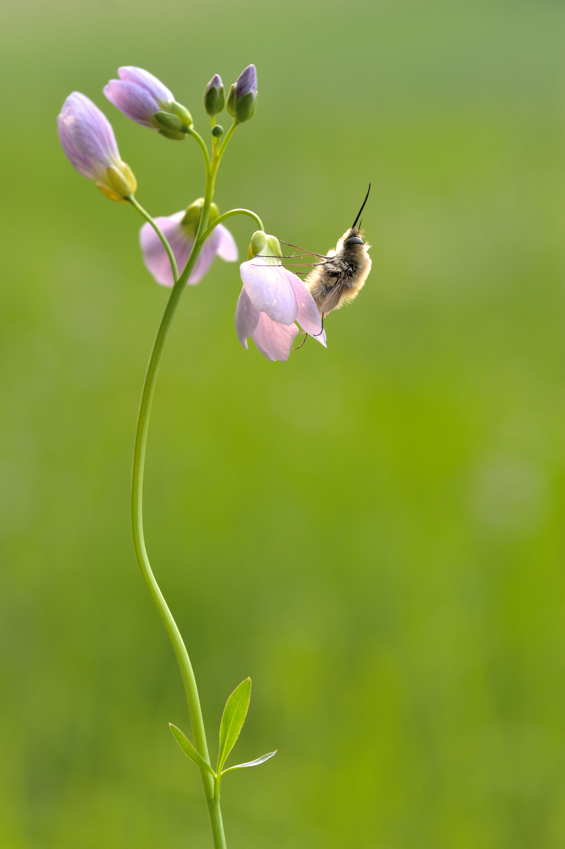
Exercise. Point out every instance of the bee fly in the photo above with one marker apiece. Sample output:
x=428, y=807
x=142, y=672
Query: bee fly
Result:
x=341, y=275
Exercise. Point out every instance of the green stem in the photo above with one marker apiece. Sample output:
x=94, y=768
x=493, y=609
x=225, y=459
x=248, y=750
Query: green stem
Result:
x=202, y=144
x=164, y=241
x=140, y=446
x=179, y=648
x=227, y=137
x=226, y=215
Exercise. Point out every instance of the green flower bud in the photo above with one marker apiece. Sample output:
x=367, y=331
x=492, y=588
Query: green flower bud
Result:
x=259, y=242
x=217, y=131
x=193, y=214
x=214, y=96
x=274, y=246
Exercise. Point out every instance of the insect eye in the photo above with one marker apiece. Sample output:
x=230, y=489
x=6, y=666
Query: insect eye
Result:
x=354, y=240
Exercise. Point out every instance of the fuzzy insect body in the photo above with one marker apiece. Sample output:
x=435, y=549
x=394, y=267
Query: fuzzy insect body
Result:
x=341, y=275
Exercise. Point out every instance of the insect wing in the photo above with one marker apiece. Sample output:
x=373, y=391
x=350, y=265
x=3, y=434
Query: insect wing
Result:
x=332, y=299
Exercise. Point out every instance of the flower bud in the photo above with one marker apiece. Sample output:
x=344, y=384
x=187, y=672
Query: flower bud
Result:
x=90, y=145
x=214, y=96
x=193, y=214
x=243, y=95
x=259, y=241
x=144, y=99
x=217, y=131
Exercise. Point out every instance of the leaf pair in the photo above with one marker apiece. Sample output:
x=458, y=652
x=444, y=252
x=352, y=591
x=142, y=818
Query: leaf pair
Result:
x=233, y=718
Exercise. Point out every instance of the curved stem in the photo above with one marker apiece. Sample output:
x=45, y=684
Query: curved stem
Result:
x=140, y=446
x=137, y=517
x=164, y=241
x=229, y=214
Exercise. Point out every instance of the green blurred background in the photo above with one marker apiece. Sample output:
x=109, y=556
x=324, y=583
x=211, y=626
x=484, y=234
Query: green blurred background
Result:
x=374, y=532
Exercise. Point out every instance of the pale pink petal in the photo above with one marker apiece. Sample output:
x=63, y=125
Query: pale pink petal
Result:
x=133, y=100
x=154, y=254
x=205, y=258
x=270, y=289
x=86, y=136
x=308, y=316
x=246, y=318
x=227, y=248
x=274, y=340
x=143, y=78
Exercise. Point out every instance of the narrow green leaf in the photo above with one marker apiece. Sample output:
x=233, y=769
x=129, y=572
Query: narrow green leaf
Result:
x=256, y=762
x=233, y=718
x=189, y=749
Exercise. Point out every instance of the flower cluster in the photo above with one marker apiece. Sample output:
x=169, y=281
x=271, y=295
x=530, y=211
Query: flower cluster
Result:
x=272, y=299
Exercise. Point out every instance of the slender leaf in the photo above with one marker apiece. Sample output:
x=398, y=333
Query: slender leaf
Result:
x=189, y=749
x=233, y=718
x=256, y=762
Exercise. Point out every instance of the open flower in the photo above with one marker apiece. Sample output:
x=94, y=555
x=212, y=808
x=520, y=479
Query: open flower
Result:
x=144, y=99
x=271, y=300
x=90, y=145
x=180, y=231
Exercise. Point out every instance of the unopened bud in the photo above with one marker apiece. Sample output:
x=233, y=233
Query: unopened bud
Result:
x=214, y=96
x=193, y=214
x=259, y=242
x=217, y=131
x=242, y=98
x=274, y=246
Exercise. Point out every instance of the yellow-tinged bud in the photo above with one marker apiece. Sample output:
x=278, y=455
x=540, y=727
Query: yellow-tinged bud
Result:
x=120, y=182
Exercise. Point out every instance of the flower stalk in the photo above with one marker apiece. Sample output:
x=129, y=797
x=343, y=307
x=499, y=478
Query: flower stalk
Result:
x=140, y=446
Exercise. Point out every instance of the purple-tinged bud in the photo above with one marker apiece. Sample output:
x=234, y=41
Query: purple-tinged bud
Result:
x=144, y=99
x=243, y=95
x=214, y=96
x=88, y=140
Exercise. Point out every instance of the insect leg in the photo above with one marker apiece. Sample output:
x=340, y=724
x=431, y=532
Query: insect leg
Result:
x=302, y=343
x=315, y=335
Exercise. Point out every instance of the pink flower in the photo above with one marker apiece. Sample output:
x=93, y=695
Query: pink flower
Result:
x=271, y=300
x=88, y=140
x=180, y=231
